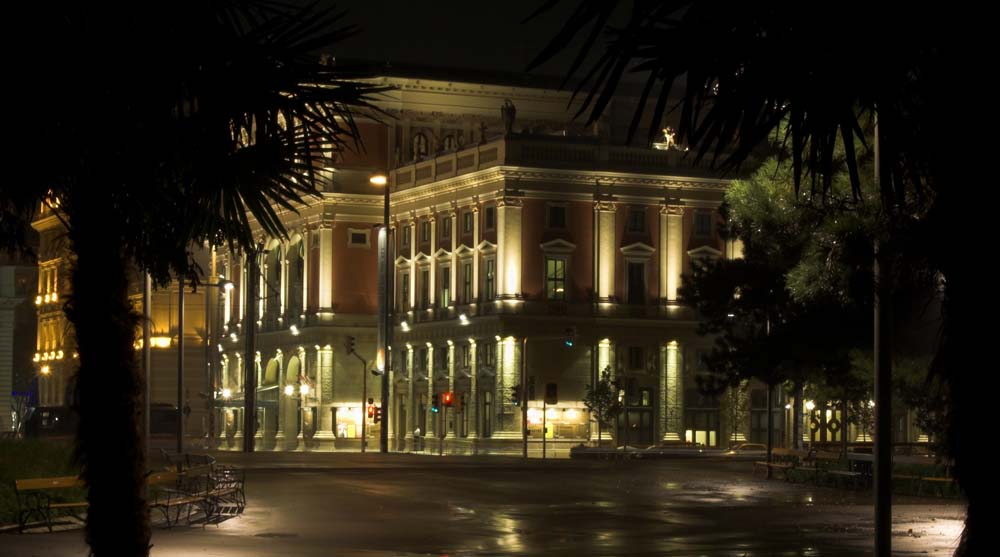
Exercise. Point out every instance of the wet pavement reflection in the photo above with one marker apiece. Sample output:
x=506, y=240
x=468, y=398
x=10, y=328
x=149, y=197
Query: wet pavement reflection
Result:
x=661, y=508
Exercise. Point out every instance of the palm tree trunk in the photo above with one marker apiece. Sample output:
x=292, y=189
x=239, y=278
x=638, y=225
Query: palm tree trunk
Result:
x=108, y=389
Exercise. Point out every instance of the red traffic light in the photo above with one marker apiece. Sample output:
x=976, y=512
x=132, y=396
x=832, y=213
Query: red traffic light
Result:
x=447, y=398
x=371, y=410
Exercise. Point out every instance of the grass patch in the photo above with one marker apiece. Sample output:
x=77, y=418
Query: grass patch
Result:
x=23, y=459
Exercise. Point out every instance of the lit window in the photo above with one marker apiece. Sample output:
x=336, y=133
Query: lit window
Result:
x=405, y=302
x=357, y=238
x=491, y=217
x=406, y=235
x=466, y=283
x=446, y=227
x=489, y=280
x=419, y=145
x=425, y=232
x=467, y=222
x=445, y=287
x=555, y=278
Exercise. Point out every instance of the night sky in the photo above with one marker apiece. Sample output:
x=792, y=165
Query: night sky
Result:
x=452, y=33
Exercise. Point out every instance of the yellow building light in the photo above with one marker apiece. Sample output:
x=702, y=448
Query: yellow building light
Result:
x=227, y=394
x=59, y=354
x=47, y=297
x=37, y=357
x=45, y=370
x=159, y=342
x=303, y=389
x=289, y=390
x=810, y=405
x=38, y=300
x=55, y=297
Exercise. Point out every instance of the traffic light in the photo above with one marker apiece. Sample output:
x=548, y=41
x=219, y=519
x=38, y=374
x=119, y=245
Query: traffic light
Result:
x=570, y=338
x=447, y=398
x=350, y=345
x=378, y=414
x=371, y=410
x=515, y=395
x=434, y=404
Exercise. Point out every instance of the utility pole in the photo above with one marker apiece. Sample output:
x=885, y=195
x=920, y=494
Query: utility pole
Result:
x=180, y=366
x=524, y=396
x=147, y=287
x=883, y=372
x=250, y=355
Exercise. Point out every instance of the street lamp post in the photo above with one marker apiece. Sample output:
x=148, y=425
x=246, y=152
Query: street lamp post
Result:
x=226, y=286
x=385, y=302
x=249, y=360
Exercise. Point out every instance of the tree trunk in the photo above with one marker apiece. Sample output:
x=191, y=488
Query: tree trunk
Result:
x=797, y=416
x=108, y=387
x=598, y=430
x=770, y=426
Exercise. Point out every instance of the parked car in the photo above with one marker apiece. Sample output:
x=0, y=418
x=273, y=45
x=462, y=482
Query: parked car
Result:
x=47, y=422
x=747, y=449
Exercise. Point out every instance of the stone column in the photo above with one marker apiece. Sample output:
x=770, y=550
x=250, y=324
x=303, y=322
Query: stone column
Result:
x=473, y=393
x=431, y=424
x=672, y=393
x=475, y=252
x=325, y=437
x=413, y=261
x=306, y=244
x=675, y=250
x=455, y=232
x=411, y=401
x=450, y=431
x=432, y=288
x=325, y=269
x=509, y=247
x=605, y=240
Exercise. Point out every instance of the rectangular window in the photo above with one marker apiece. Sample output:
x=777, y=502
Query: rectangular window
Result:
x=466, y=283
x=425, y=232
x=357, y=238
x=491, y=218
x=467, y=222
x=555, y=278
x=446, y=227
x=635, y=357
x=406, y=235
x=557, y=216
x=489, y=352
x=636, y=283
x=489, y=280
x=405, y=290
x=702, y=224
x=445, y=287
x=425, y=285
x=636, y=220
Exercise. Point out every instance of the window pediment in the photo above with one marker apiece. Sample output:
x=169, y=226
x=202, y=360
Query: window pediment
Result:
x=638, y=250
x=558, y=246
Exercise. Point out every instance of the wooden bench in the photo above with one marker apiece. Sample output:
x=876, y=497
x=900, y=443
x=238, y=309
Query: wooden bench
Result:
x=212, y=490
x=35, y=499
x=781, y=459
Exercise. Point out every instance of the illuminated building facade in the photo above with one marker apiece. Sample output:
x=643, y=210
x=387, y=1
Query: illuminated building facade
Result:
x=498, y=236
x=531, y=242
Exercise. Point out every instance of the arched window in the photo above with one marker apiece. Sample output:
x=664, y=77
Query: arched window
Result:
x=448, y=144
x=419, y=145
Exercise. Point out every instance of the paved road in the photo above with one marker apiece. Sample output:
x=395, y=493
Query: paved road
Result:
x=408, y=505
